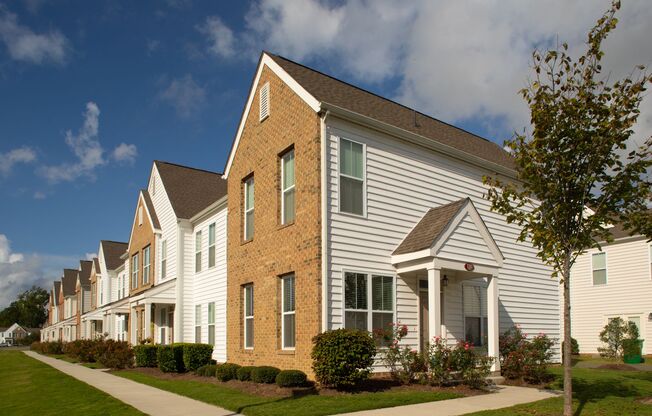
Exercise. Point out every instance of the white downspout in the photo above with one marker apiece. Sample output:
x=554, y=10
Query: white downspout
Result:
x=324, y=224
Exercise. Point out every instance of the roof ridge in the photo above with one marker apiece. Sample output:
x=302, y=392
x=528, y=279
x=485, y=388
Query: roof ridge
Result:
x=113, y=241
x=383, y=98
x=188, y=167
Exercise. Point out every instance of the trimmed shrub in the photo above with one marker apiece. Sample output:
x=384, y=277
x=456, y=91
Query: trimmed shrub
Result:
x=114, y=354
x=264, y=374
x=170, y=358
x=53, y=347
x=244, y=373
x=342, y=357
x=72, y=348
x=525, y=359
x=87, y=352
x=226, y=371
x=291, y=378
x=36, y=346
x=146, y=355
x=207, y=370
x=196, y=355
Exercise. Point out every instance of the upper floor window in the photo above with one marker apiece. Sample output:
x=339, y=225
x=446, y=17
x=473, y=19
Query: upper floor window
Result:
x=599, y=267
x=263, y=97
x=134, y=271
x=248, y=316
x=249, y=209
x=146, y=265
x=352, y=178
x=211, y=245
x=288, y=312
x=164, y=259
x=360, y=313
x=287, y=187
x=198, y=252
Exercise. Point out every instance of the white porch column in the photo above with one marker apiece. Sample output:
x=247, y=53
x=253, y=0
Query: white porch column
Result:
x=148, y=321
x=493, y=321
x=133, y=322
x=434, y=309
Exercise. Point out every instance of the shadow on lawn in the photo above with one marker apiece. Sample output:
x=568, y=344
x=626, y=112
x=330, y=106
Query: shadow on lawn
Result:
x=590, y=391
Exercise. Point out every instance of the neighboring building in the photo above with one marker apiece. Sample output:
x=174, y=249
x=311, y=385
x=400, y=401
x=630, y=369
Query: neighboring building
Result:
x=349, y=210
x=112, y=291
x=68, y=305
x=83, y=296
x=13, y=334
x=91, y=320
x=613, y=282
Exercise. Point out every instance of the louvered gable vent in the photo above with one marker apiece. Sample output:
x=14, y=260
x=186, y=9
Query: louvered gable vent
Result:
x=264, y=102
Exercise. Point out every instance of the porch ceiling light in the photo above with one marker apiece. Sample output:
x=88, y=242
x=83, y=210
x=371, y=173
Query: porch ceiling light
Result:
x=444, y=281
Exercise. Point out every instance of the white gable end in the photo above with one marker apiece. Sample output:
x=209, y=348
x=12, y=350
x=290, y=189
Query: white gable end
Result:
x=465, y=243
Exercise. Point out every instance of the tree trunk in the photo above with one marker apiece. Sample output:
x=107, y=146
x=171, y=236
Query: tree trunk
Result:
x=566, y=353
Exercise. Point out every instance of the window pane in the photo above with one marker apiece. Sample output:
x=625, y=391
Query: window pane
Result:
x=355, y=320
x=288, y=206
x=351, y=195
x=472, y=330
x=197, y=314
x=382, y=291
x=198, y=261
x=249, y=301
x=211, y=234
x=599, y=261
x=345, y=157
x=288, y=169
x=198, y=241
x=249, y=332
x=249, y=226
x=381, y=320
x=288, y=331
x=288, y=294
x=211, y=256
x=211, y=313
x=198, y=334
x=356, y=149
x=211, y=334
x=355, y=291
x=599, y=277
x=249, y=194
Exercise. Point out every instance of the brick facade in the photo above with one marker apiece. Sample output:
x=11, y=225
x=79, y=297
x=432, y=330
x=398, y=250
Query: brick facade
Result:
x=275, y=249
x=142, y=235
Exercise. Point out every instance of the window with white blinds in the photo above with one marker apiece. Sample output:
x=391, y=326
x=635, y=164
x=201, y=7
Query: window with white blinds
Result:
x=368, y=301
x=475, y=314
x=288, y=321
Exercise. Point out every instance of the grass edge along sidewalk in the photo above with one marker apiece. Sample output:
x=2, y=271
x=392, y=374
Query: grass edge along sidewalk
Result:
x=30, y=387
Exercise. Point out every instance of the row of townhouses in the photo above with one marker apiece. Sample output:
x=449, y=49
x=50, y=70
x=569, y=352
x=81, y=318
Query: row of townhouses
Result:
x=337, y=208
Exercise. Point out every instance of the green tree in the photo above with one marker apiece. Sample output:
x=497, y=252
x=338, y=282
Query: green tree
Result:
x=576, y=157
x=27, y=310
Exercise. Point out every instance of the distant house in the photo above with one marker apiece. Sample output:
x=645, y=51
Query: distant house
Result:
x=13, y=334
x=613, y=282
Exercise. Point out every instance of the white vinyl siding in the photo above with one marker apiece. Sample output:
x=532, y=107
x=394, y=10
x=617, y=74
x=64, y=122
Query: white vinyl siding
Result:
x=146, y=265
x=198, y=252
x=287, y=188
x=211, y=245
x=351, y=177
x=599, y=270
x=249, y=209
x=288, y=315
x=248, y=297
x=197, y=323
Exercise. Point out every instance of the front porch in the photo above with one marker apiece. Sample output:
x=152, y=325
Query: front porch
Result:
x=153, y=315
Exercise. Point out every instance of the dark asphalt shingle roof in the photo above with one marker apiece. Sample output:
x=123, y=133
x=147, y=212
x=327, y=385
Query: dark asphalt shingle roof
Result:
x=430, y=227
x=330, y=90
x=190, y=190
x=150, y=209
x=113, y=250
x=85, y=272
x=69, y=281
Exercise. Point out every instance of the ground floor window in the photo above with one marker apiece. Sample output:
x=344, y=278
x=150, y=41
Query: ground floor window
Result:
x=368, y=301
x=248, y=295
x=475, y=314
x=211, y=323
x=198, y=323
x=287, y=312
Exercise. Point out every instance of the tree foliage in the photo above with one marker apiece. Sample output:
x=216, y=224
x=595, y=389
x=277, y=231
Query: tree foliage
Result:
x=27, y=310
x=575, y=171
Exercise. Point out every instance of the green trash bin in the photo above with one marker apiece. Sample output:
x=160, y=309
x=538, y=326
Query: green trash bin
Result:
x=633, y=351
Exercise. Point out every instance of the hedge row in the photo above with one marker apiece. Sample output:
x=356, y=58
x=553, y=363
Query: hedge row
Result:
x=263, y=374
x=174, y=358
x=109, y=353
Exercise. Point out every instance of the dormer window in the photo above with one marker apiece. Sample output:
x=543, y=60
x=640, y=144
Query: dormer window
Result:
x=264, y=101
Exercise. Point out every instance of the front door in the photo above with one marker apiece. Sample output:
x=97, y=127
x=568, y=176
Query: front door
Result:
x=423, y=318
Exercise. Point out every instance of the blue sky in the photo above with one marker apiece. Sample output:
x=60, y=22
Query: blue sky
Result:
x=92, y=92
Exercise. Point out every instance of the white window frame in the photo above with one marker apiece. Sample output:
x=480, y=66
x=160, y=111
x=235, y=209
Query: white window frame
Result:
x=198, y=256
x=606, y=269
x=164, y=259
x=211, y=245
x=292, y=312
x=247, y=183
x=649, y=260
x=147, y=266
x=285, y=190
x=248, y=317
x=265, y=88
x=134, y=270
x=340, y=175
x=211, y=322
x=484, y=329
x=370, y=311
x=197, y=324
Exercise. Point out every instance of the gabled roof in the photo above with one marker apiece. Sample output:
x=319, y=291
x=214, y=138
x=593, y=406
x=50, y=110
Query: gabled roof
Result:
x=150, y=209
x=190, y=190
x=69, y=281
x=430, y=227
x=113, y=250
x=96, y=263
x=57, y=289
x=85, y=272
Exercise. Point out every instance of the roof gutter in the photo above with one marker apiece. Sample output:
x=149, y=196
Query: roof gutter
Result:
x=417, y=139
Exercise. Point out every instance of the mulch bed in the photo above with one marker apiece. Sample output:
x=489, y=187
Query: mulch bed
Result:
x=272, y=390
x=618, y=367
x=644, y=400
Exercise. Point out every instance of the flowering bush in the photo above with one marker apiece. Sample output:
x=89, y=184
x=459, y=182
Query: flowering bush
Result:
x=525, y=359
x=404, y=363
x=462, y=362
x=440, y=362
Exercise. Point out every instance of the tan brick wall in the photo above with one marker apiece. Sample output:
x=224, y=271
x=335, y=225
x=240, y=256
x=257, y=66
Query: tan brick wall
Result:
x=141, y=236
x=275, y=250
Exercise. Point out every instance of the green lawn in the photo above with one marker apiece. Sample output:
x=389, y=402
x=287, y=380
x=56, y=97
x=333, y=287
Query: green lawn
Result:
x=596, y=392
x=307, y=405
x=64, y=357
x=30, y=387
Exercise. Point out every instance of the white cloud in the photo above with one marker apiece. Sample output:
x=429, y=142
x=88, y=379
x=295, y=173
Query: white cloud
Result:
x=40, y=195
x=13, y=157
x=90, y=256
x=152, y=46
x=185, y=95
x=125, y=153
x=454, y=60
x=25, y=45
x=219, y=36
x=88, y=151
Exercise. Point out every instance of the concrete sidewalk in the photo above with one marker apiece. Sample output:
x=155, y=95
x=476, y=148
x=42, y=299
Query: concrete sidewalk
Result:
x=505, y=396
x=147, y=399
